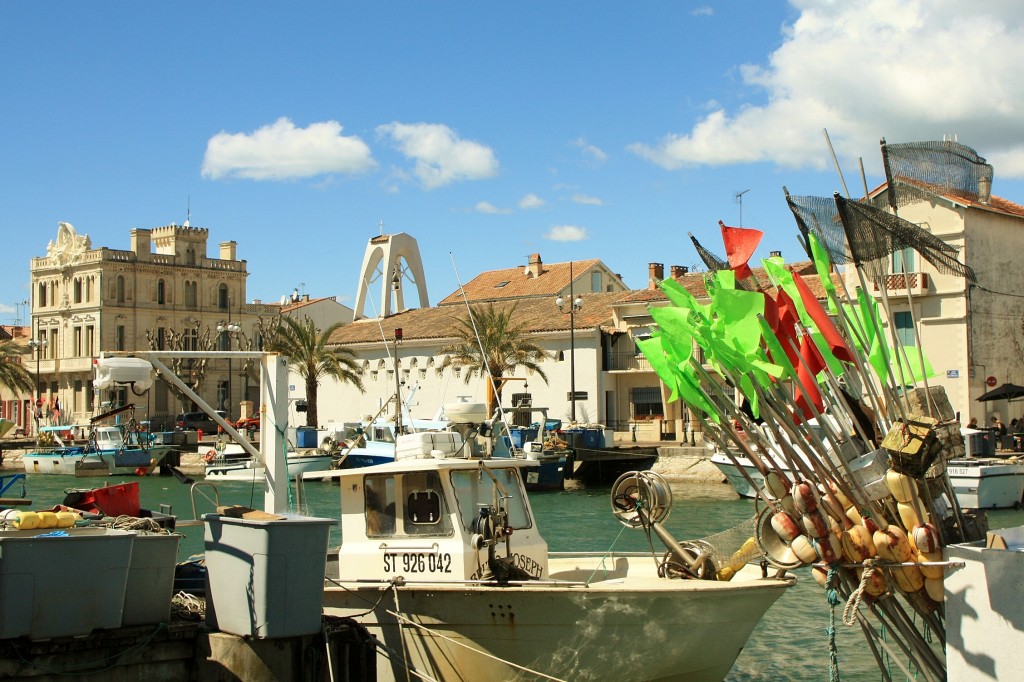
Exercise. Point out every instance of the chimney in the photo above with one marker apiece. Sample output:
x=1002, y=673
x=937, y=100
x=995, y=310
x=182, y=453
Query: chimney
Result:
x=679, y=270
x=228, y=250
x=535, y=267
x=655, y=273
x=775, y=254
x=984, y=190
x=141, y=240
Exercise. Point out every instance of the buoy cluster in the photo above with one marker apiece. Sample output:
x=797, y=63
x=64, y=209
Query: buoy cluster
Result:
x=32, y=520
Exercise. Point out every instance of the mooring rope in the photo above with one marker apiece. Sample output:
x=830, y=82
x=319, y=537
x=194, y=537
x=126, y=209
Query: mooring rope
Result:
x=853, y=603
x=834, y=600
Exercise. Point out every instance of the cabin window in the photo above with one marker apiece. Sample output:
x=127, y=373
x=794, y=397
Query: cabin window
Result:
x=379, y=502
x=475, y=490
x=425, y=512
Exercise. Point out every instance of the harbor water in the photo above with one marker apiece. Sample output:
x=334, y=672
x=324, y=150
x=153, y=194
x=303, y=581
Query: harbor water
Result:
x=790, y=643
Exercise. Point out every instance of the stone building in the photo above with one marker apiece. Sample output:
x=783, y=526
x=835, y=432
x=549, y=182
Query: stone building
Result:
x=164, y=291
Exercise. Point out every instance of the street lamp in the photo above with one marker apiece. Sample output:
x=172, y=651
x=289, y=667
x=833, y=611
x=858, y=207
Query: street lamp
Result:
x=231, y=330
x=571, y=308
x=38, y=345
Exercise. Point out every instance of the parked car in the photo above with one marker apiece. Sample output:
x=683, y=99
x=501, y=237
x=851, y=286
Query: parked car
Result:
x=195, y=421
x=249, y=423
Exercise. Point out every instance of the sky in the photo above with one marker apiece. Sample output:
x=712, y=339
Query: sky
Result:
x=487, y=131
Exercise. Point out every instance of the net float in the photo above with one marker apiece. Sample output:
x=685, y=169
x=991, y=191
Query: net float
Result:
x=804, y=497
x=47, y=519
x=814, y=524
x=892, y=544
x=926, y=538
x=828, y=548
x=908, y=578
x=26, y=520
x=837, y=491
x=876, y=584
x=776, y=486
x=934, y=588
x=902, y=487
x=785, y=526
x=853, y=515
x=803, y=549
x=857, y=544
x=820, y=575
x=786, y=502
x=931, y=572
x=912, y=514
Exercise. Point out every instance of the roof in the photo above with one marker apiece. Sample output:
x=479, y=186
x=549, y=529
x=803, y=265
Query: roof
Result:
x=535, y=315
x=995, y=204
x=510, y=283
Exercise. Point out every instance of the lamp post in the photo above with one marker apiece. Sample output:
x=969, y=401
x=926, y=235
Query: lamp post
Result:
x=38, y=345
x=230, y=329
x=570, y=308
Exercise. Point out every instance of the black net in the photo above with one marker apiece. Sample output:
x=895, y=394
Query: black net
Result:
x=920, y=170
x=874, y=235
x=819, y=215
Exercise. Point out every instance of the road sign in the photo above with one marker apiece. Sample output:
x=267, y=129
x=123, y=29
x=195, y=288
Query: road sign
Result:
x=579, y=395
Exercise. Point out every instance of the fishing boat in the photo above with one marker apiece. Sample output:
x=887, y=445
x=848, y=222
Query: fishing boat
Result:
x=987, y=483
x=442, y=560
x=106, y=451
x=231, y=462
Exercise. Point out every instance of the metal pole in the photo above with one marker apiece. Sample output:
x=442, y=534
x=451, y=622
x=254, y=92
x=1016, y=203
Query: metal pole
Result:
x=572, y=348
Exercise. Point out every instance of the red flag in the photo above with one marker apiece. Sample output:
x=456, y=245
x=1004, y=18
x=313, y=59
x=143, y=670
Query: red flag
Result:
x=740, y=243
x=823, y=322
x=806, y=372
x=788, y=318
x=771, y=312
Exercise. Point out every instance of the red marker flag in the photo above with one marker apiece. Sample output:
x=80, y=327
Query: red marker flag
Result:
x=835, y=340
x=740, y=244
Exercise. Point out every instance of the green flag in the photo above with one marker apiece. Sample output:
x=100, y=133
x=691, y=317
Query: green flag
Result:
x=824, y=267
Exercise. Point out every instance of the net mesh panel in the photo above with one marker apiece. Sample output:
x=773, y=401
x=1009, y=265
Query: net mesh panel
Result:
x=920, y=170
x=732, y=546
x=820, y=216
x=873, y=235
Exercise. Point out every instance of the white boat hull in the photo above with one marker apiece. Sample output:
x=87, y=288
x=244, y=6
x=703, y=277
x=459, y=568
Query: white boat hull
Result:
x=986, y=483
x=247, y=470
x=621, y=626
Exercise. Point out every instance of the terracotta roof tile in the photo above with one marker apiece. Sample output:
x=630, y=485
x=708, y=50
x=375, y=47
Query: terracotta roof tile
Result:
x=513, y=283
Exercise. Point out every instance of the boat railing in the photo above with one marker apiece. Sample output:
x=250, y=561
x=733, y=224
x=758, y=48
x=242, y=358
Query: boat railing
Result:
x=200, y=488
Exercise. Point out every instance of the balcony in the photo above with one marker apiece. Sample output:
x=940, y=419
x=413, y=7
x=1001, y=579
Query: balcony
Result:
x=915, y=283
x=620, y=362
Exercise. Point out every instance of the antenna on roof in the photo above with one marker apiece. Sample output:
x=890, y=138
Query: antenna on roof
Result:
x=188, y=212
x=739, y=200
x=381, y=228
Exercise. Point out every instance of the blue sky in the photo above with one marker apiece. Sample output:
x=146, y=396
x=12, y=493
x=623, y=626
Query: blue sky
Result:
x=487, y=131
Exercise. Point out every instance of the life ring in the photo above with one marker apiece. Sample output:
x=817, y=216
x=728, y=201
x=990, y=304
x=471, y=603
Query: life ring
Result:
x=210, y=456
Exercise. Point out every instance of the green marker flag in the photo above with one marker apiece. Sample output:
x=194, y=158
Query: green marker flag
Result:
x=677, y=331
x=737, y=317
x=678, y=295
x=911, y=363
x=652, y=349
x=824, y=267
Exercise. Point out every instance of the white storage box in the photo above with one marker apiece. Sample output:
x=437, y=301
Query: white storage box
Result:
x=425, y=443
x=150, y=586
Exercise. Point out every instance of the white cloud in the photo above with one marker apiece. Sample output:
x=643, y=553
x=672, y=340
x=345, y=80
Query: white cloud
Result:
x=280, y=151
x=703, y=11
x=566, y=233
x=488, y=207
x=591, y=151
x=905, y=70
x=440, y=156
x=531, y=201
x=586, y=199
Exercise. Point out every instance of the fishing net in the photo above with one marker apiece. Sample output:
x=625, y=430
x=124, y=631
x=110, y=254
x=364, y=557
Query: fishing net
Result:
x=820, y=216
x=873, y=235
x=918, y=171
x=734, y=546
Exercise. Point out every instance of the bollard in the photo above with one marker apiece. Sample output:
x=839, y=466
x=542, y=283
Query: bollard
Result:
x=199, y=435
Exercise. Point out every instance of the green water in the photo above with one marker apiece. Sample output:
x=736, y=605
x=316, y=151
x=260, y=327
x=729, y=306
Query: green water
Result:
x=789, y=644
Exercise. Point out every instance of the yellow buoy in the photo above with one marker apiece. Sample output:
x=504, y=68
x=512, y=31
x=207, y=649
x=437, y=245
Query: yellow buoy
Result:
x=66, y=519
x=26, y=520
x=902, y=487
x=934, y=589
x=931, y=572
x=47, y=519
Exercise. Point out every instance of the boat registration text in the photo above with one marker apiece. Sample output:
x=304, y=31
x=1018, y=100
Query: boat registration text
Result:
x=417, y=562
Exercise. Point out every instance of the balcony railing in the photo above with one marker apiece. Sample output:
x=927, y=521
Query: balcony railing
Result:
x=626, y=361
x=901, y=282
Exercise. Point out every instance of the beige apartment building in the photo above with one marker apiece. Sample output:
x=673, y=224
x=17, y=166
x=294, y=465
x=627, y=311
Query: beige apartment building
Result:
x=163, y=292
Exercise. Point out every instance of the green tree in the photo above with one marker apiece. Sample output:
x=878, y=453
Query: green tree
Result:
x=14, y=376
x=503, y=346
x=305, y=346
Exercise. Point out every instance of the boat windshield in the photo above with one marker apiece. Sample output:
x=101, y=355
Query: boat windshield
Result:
x=474, y=490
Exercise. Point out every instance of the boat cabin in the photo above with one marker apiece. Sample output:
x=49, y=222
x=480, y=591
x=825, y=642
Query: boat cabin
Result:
x=436, y=515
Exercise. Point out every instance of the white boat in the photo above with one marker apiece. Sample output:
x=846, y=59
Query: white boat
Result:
x=987, y=483
x=232, y=463
x=103, y=452
x=442, y=561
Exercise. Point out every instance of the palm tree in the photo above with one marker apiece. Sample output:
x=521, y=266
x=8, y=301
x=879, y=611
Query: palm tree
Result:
x=13, y=375
x=502, y=347
x=305, y=346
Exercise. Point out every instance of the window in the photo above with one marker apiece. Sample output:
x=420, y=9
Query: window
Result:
x=190, y=256
x=904, y=323
x=379, y=504
x=190, y=339
x=501, y=285
x=475, y=490
x=90, y=340
x=119, y=289
x=119, y=337
x=78, y=341
x=161, y=338
x=222, y=297
x=42, y=295
x=645, y=402
x=595, y=281
x=88, y=289
x=191, y=294
x=903, y=261
x=161, y=292
x=78, y=290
